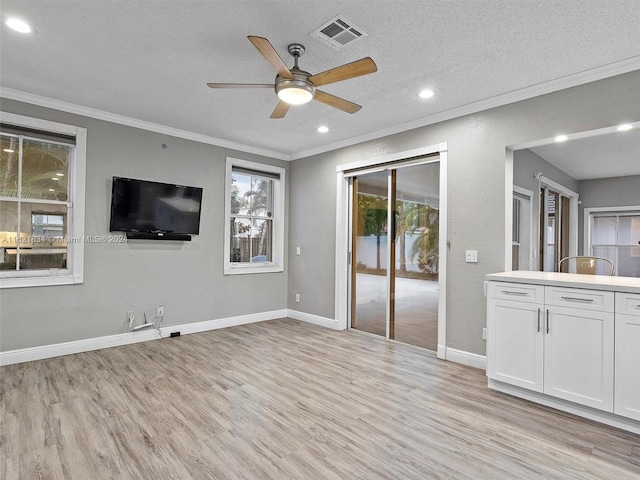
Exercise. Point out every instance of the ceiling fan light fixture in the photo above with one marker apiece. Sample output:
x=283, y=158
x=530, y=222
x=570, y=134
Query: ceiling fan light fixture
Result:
x=295, y=92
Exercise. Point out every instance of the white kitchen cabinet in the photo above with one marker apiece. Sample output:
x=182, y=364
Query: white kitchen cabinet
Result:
x=580, y=354
x=514, y=334
x=557, y=341
x=627, y=356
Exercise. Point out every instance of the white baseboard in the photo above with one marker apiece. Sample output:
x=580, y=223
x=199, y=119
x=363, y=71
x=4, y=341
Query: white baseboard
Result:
x=79, y=346
x=195, y=327
x=465, y=358
x=314, y=319
x=59, y=349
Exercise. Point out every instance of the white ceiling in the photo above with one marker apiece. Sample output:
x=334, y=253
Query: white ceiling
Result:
x=613, y=154
x=150, y=60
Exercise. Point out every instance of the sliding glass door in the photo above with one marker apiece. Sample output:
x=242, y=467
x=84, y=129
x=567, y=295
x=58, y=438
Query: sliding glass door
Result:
x=395, y=256
x=369, y=247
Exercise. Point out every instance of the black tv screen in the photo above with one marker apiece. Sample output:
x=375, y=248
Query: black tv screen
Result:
x=153, y=207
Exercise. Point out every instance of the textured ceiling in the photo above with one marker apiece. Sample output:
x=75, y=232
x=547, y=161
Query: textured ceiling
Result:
x=151, y=60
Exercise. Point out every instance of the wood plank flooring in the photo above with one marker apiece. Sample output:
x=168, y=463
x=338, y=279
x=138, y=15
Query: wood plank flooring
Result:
x=287, y=400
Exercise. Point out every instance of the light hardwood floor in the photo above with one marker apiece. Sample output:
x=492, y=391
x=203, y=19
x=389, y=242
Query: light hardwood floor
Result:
x=283, y=399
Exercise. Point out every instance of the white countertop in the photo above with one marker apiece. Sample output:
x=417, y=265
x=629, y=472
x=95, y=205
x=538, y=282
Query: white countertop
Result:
x=593, y=282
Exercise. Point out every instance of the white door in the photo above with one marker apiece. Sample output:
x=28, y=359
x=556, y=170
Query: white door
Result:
x=578, y=356
x=515, y=343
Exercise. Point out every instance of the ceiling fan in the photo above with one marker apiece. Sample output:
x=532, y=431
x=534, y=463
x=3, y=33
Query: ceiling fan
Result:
x=295, y=86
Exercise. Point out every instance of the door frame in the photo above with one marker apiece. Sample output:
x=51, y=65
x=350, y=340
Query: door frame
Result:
x=532, y=231
x=343, y=232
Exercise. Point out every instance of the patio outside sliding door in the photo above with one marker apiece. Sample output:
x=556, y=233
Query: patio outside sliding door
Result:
x=395, y=240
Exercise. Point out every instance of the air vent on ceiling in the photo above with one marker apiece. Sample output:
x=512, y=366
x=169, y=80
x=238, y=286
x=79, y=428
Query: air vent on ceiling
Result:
x=338, y=32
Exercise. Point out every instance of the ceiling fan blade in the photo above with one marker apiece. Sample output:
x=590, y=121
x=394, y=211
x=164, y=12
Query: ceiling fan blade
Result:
x=336, y=102
x=281, y=110
x=358, y=68
x=240, y=85
x=269, y=53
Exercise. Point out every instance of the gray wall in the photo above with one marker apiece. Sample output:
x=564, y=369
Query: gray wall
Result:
x=185, y=277
x=476, y=146
x=607, y=192
x=526, y=163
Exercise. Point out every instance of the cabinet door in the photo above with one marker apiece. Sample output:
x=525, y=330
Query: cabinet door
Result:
x=515, y=343
x=628, y=365
x=578, y=356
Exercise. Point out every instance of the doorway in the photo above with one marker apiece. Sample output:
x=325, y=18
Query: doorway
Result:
x=395, y=252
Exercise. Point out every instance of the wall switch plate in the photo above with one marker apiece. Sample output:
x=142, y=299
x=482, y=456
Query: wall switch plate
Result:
x=297, y=250
x=471, y=256
x=297, y=297
x=484, y=333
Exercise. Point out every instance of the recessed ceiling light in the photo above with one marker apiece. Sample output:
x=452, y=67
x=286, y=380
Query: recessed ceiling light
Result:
x=561, y=138
x=60, y=174
x=8, y=150
x=624, y=127
x=427, y=93
x=18, y=25
x=55, y=178
x=323, y=129
x=51, y=190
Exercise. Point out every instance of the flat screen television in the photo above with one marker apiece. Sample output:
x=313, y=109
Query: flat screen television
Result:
x=144, y=209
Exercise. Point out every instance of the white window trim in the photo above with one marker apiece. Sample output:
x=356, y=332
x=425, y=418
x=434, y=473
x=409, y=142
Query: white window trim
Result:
x=277, y=265
x=74, y=273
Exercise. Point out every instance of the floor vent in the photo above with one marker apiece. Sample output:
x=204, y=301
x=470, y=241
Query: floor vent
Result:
x=338, y=32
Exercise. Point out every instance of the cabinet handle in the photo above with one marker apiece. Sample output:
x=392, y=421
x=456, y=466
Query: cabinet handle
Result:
x=547, y=320
x=520, y=294
x=538, y=319
x=575, y=299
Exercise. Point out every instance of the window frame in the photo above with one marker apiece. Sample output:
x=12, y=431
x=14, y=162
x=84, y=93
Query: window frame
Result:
x=74, y=272
x=278, y=221
x=617, y=211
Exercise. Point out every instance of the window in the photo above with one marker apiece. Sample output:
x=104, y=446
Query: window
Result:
x=615, y=234
x=42, y=167
x=254, y=223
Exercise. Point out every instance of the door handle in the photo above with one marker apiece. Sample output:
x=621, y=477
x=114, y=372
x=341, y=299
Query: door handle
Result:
x=575, y=299
x=519, y=294
x=547, y=320
x=538, y=319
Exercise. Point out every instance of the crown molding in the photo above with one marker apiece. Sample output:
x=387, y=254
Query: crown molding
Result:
x=526, y=93
x=569, y=81
x=47, y=102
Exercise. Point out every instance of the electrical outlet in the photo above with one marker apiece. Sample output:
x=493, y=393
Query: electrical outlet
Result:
x=471, y=256
x=297, y=250
x=297, y=297
x=484, y=333
x=160, y=312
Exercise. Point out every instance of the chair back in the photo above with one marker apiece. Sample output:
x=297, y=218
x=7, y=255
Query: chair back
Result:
x=588, y=265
